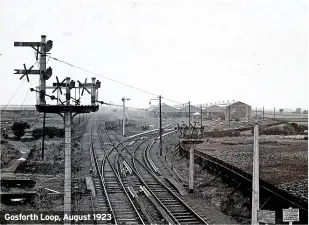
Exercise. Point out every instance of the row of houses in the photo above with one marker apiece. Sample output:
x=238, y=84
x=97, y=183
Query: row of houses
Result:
x=232, y=110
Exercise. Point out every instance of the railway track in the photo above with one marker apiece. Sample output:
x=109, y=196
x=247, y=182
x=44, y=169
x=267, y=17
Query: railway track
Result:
x=112, y=195
x=127, y=186
x=164, y=193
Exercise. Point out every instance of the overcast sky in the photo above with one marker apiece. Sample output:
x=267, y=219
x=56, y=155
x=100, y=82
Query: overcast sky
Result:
x=196, y=50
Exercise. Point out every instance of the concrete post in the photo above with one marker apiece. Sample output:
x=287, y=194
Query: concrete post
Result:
x=191, y=170
x=42, y=83
x=43, y=136
x=255, y=178
x=67, y=153
x=67, y=163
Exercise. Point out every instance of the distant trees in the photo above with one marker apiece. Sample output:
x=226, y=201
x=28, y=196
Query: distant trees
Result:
x=50, y=131
x=305, y=112
x=281, y=110
x=298, y=110
x=18, y=128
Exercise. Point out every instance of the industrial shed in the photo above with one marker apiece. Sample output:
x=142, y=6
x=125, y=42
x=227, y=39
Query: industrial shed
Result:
x=184, y=110
x=167, y=111
x=237, y=110
x=234, y=110
x=214, y=111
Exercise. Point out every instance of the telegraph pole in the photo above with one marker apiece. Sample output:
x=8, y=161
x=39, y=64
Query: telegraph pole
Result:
x=201, y=116
x=230, y=116
x=124, y=115
x=43, y=136
x=158, y=114
x=189, y=114
x=255, y=178
x=191, y=169
x=274, y=112
x=256, y=113
x=263, y=113
x=160, y=125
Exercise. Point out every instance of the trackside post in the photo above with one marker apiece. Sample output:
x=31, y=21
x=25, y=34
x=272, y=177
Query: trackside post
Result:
x=255, y=177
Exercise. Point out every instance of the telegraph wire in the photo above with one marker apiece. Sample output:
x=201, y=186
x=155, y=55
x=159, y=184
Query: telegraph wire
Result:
x=22, y=106
x=14, y=94
x=127, y=85
x=28, y=89
x=26, y=96
x=140, y=109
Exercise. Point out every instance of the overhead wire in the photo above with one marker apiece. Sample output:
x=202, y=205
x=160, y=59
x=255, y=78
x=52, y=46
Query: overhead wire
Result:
x=127, y=85
x=13, y=95
x=22, y=106
x=141, y=109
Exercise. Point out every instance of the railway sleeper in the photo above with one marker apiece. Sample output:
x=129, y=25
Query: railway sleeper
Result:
x=181, y=213
x=114, y=192
x=174, y=205
x=112, y=186
x=171, y=203
x=123, y=219
x=184, y=216
x=127, y=216
x=163, y=196
x=121, y=202
x=191, y=219
x=193, y=222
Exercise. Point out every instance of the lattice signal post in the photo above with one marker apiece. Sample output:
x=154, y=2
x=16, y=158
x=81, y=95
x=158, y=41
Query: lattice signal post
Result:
x=62, y=108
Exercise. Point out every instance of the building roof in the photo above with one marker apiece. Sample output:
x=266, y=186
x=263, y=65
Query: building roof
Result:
x=220, y=107
x=186, y=108
x=215, y=108
x=224, y=105
x=164, y=108
x=195, y=114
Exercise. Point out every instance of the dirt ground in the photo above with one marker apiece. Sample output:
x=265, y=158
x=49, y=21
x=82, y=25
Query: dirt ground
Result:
x=283, y=160
x=47, y=173
x=210, y=195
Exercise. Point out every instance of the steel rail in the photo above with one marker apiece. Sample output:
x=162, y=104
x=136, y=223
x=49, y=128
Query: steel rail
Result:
x=161, y=182
x=167, y=188
x=163, y=213
x=102, y=182
x=116, y=171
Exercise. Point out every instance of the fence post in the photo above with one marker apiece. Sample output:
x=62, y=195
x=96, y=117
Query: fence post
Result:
x=191, y=169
